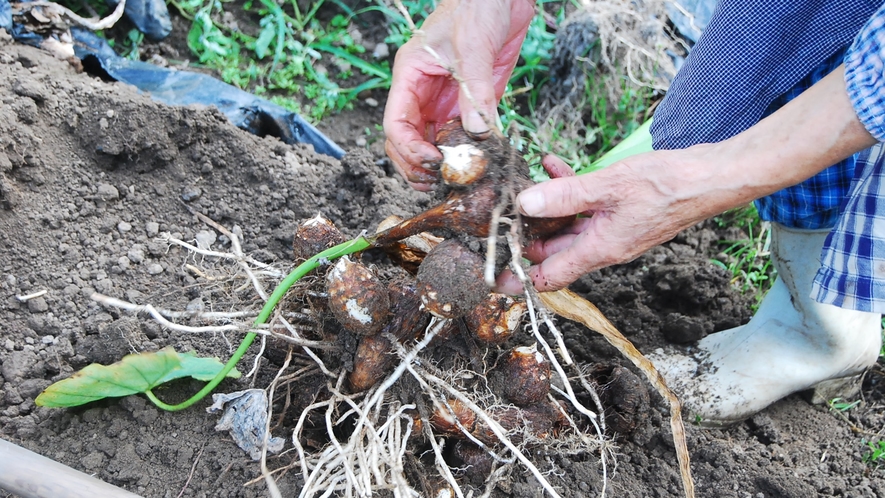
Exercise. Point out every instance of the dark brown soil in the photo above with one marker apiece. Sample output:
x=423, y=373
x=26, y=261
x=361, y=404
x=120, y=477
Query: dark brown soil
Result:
x=91, y=172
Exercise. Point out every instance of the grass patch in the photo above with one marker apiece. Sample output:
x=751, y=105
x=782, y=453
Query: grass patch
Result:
x=281, y=51
x=840, y=405
x=293, y=59
x=312, y=64
x=747, y=258
x=578, y=128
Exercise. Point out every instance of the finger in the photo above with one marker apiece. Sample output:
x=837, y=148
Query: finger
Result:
x=404, y=122
x=589, y=251
x=417, y=177
x=479, y=103
x=556, y=167
x=540, y=250
x=507, y=283
x=557, y=271
x=410, y=145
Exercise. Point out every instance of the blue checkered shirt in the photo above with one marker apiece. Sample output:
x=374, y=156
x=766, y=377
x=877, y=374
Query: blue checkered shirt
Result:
x=852, y=273
x=754, y=57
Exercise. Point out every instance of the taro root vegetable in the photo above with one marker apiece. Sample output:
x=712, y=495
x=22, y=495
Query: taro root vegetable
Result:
x=524, y=376
x=357, y=297
x=476, y=461
x=417, y=425
x=437, y=487
x=462, y=164
x=541, y=420
x=495, y=319
x=482, y=175
x=313, y=236
x=539, y=228
x=409, y=252
x=450, y=280
x=466, y=212
x=374, y=355
x=449, y=330
x=624, y=396
x=450, y=419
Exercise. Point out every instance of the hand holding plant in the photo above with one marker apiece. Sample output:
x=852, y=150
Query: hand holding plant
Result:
x=480, y=42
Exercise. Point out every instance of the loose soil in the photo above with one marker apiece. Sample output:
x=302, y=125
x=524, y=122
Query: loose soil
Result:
x=91, y=172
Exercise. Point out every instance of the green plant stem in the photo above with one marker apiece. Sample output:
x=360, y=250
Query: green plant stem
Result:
x=349, y=247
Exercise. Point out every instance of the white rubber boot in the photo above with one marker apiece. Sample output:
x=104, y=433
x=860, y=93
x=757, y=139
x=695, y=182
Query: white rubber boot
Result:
x=791, y=344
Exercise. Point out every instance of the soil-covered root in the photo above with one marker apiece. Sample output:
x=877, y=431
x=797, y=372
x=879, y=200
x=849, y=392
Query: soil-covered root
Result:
x=357, y=297
x=495, y=319
x=314, y=235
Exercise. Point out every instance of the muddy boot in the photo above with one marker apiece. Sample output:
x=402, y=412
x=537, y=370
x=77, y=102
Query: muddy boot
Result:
x=791, y=344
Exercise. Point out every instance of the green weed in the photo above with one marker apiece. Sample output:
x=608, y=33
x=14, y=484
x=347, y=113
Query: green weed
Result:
x=842, y=406
x=875, y=455
x=132, y=44
x=290, y=57
x=295, y=60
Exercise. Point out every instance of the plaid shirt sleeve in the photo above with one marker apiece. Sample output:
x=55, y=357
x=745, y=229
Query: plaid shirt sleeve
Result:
x=852, y=273
x=864, y=75
x=753, y=57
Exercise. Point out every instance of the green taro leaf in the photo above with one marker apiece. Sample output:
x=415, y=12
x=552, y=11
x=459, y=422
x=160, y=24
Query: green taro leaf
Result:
x=135, y=373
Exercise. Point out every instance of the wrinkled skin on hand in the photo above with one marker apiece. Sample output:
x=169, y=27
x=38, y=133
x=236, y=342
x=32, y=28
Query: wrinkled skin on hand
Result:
x=626, y=209
x=480, y=40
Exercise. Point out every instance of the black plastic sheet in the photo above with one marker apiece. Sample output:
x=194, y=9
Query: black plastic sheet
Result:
x=5, y=16
x=151, y=17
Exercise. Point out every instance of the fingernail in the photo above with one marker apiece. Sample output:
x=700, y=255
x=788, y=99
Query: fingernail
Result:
x=431, y=165
x=427, y=152
x=531, y=203
x=474, y=124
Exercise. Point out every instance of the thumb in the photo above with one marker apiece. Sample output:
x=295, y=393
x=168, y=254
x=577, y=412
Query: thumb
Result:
x=558, y=197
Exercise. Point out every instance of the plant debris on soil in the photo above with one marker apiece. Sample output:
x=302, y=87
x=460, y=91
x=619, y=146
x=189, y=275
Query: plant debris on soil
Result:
x=91, y=173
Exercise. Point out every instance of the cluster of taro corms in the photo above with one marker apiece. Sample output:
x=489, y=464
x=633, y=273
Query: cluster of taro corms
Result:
x=381, y=312
x=443, y=254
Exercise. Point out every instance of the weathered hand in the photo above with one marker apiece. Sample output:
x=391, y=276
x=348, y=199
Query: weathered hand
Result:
x=480, y=40
x=626, y=209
